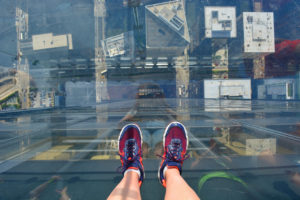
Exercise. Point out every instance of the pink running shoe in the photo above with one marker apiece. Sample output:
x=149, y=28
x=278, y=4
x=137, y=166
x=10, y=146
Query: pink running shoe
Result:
x=175, y=142
x=130, y=149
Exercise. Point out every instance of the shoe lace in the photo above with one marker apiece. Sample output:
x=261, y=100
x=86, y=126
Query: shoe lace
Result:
x=129, y=158
x=174, y=153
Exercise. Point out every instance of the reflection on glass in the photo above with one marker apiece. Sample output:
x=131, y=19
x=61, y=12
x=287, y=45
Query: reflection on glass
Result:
x=73, y=73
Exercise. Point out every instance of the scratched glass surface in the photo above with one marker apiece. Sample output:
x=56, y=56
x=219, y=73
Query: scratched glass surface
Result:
x=73, y=73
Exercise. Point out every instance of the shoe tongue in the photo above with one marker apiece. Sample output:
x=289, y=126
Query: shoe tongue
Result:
x=130, y=148
x=175, y=141
x=131, y=142
x=175, y=148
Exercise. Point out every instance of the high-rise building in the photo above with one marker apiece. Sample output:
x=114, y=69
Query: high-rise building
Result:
x=220, y=22
x=167, y=31
x=227, y=89
x=49, y=41
x=275, y=88
x=119, y=45
x=219, y=59
x=258, y=32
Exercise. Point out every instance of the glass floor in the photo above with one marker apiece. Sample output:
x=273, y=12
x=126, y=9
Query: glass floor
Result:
x=238, y=149
x=74, y=72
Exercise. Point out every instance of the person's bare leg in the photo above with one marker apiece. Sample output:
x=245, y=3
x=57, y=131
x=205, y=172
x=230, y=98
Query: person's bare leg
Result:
x=177, y=188
x=130, y=151
x=127, y=189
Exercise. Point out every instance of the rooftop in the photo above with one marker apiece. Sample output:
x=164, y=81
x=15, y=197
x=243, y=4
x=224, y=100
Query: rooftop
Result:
x=118, y=45
x=220, y=22
x=258, y=32
x=172, y=14
x=49, y=41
